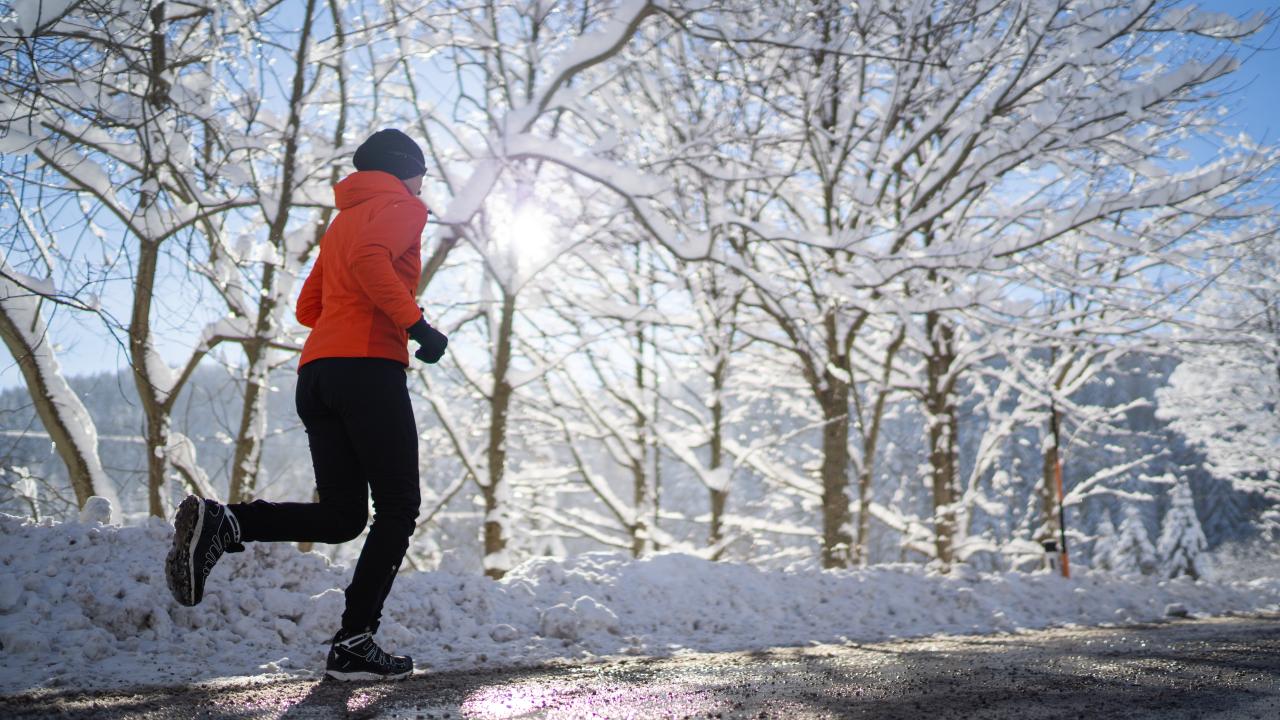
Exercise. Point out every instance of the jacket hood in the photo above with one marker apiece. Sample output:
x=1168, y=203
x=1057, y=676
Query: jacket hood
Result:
x=365, y=185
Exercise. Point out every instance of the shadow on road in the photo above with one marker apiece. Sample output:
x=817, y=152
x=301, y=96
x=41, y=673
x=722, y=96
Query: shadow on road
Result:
x=1207, y=668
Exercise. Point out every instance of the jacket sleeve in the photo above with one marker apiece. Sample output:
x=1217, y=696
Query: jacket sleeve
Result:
x=393, y=232
x=310, y=300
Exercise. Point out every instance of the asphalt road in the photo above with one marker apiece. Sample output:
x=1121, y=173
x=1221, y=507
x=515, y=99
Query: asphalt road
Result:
x=1210, y=668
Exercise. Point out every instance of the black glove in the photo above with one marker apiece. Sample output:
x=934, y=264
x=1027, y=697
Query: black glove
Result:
x=433, y=341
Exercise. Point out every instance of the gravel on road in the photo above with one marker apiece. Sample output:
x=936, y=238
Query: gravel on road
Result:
x=1200, y=668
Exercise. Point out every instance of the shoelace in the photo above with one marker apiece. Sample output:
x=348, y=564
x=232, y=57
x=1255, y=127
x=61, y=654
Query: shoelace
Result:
x=377, y=655
x=216, y=548
x=372, y=653
x=223, y=540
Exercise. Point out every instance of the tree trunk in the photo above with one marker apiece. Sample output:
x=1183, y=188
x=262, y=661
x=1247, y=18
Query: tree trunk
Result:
x=836, y=540
x=718, y=497
x=253, y=420
x=640, y=503
x=495, y=541
x=140, y=350
x=940, y=411
x=639, y=478
x=140, y=353
x=655, y=468
x=642, y=496
x=253, y=415
x=334, y=175
x=865, y=476
x=1051, y=505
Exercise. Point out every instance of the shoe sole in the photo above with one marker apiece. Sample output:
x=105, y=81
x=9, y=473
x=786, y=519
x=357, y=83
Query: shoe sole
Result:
x=350, y=676
x=179, y=565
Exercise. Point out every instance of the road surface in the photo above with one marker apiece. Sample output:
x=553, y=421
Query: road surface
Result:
x=1207, y=668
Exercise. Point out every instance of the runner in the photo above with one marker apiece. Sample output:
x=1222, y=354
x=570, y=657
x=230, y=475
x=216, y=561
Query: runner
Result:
x=353, y=400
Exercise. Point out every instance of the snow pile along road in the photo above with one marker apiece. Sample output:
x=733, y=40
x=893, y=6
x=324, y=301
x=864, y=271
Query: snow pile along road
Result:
x=85, y=605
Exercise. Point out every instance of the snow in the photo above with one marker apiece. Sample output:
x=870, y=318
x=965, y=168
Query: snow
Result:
x=96, y=510
x=228, y=327
x=32, y=14
x=181, y=454
x=14, y=143
x=84, y=605
x=995, y=157
x=162, y=377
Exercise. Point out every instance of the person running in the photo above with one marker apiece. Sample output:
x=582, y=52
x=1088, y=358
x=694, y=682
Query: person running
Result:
x=353, y=401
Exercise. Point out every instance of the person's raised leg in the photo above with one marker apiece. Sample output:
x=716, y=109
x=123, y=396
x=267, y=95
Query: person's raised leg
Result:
x=341, y=512
x=205, y=528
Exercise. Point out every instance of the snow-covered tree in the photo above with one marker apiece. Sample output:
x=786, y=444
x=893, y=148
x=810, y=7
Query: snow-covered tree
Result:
x=1133, y=552
x=111, y=106
x=291, y=156
x=922, y=212
x=507, y=143
x=71, y=431
x=1049, y=375
x=919, y=165
x=1104, y=543
x=1224, y=511
x=1181, y=545
x=705, y=323
x=1225, y=394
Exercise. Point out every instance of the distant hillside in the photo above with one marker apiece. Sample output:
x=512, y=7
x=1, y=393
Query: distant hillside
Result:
x=208, y=412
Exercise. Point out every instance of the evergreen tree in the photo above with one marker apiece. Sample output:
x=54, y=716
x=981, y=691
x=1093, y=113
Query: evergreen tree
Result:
x=1223, y=510
x=1104, y=543
x=1181, y=539
x=1133, y=552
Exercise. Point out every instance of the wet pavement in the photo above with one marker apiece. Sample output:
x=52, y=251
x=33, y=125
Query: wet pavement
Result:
x=1210, y=668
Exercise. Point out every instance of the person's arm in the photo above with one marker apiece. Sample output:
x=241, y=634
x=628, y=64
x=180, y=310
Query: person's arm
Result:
x=310, y=300
x=392, y=233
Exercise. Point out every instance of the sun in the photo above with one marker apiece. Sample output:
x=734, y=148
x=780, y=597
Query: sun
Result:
x=523, y=232
x=531, y=232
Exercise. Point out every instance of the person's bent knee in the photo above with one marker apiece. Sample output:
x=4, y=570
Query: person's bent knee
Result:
x=350, y=526
x=401, y=519
x=402, y=523
x=406, y=503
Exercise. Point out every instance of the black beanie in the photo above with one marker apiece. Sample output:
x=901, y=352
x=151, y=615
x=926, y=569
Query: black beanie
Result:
x=391, y=151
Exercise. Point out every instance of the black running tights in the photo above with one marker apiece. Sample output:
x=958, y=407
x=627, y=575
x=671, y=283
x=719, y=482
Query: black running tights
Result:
x=363, y=440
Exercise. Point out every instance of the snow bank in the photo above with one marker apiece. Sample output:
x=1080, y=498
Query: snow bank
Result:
x=84, y=605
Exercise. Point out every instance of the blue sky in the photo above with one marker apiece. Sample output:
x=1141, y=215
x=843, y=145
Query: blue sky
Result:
x=1256, y=109
x=1259, y=100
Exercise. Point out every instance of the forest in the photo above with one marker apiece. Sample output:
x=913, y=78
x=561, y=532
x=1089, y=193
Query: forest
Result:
x=827, y=284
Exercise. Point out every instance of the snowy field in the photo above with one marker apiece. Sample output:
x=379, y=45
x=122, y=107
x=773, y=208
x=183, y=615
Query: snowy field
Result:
x=84, y=605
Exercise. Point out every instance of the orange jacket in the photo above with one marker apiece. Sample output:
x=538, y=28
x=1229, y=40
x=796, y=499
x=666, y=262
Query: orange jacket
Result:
x=359, y=298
